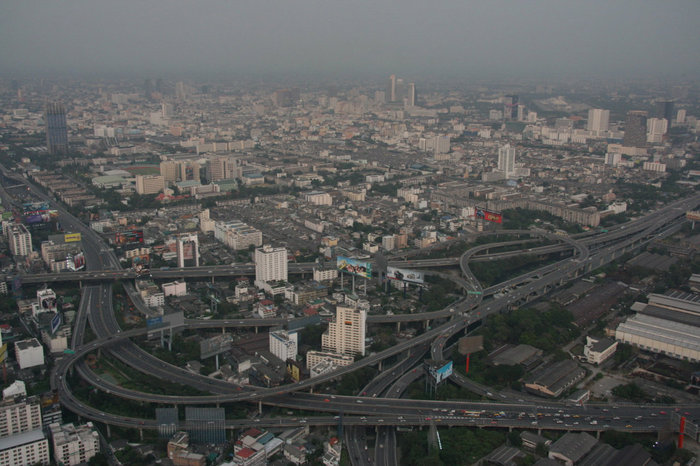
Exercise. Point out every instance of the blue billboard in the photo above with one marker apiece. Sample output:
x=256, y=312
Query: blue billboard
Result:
x=55, y=323
x=440, y=372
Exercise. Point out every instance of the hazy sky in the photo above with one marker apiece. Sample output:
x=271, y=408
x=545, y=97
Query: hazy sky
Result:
x=529, y=38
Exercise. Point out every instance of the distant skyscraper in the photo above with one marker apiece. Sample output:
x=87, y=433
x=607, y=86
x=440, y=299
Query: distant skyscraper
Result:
x=635, y=129
x=395, y=89
x=664, y=109
x=180, y=93
x=506, y=160
x=391, y=89
x=56, y=128
x=656, y=128
x=510, y=107
x=411, y=95
x=598, y=121
x=398, y=96
x=680, y=116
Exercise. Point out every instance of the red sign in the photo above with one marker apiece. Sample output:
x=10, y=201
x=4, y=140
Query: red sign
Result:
x=487, y=215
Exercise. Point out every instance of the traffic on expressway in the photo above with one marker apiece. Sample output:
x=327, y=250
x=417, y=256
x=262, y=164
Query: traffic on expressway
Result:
x=381, y=407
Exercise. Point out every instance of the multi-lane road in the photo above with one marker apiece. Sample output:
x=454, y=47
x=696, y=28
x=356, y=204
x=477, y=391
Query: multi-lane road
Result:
x=589, y=252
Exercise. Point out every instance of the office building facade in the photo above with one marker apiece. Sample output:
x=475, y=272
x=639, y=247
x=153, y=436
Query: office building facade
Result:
x=18, y=415
x=598, y=121
x=20, y=240
x=28, y=448
x=149, y=184
x=73, y=445
x=346, y=332
x=284, y=344
x=270, y=264
x=506, y=160
x=635, y=129
x=56, y=128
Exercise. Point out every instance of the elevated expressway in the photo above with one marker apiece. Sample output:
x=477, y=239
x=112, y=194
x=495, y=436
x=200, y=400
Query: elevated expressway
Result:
x=117, y=342
x=374, y=406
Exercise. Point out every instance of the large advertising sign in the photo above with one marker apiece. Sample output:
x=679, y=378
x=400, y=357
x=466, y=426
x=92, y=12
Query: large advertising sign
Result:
x=55, y=323
x=30, y=207
x=71, y=237
x=127, y=237
x=489, y=216
x=405, y=275
x=441, y=373
x=355, y=267
x=75, y=263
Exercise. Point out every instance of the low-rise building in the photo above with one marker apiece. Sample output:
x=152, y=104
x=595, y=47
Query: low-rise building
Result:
x=29, y=353
x=598, y=350
x=176, y=288
x=570, y=448
x=552, y=380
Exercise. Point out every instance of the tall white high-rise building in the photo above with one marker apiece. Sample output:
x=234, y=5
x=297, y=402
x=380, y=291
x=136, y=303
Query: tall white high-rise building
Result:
x=20, y=240
x=410, y=95
x=656, y=128
x=270, y=264
x=346, y=332
x=506, y=160
x=680, y=116
x=284, y=344
x=598, y=121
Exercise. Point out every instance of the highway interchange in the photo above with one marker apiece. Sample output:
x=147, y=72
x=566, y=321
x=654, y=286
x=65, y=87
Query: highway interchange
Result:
x=385, y=409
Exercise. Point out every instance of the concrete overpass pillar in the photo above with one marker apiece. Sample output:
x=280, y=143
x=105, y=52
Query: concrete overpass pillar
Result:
x=426, y=324
x=256, y=329
x=380, y=365
x=398, y=327
x=109, y=431
x=141, y=434
x=597, y=434
x=259, y=407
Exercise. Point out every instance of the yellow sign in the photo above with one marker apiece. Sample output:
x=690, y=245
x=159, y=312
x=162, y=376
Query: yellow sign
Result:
x=294, y=372
x=71, y=237
x=3, y=352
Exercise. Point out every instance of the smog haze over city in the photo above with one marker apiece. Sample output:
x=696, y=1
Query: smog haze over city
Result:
x=245, y=233
x=476, y=39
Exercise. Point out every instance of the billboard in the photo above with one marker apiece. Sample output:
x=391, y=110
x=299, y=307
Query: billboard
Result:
x=469, y=345
x=216, y=345
x=128, y=237
x=71, y=237
x=405, y=275
x=55, y=323
x=75, y=263
x=3, y=352
x=154, y=322
x=440, y=372
x=32, y=206
x=355, y=267
x=485, y=214
x=39, y=216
